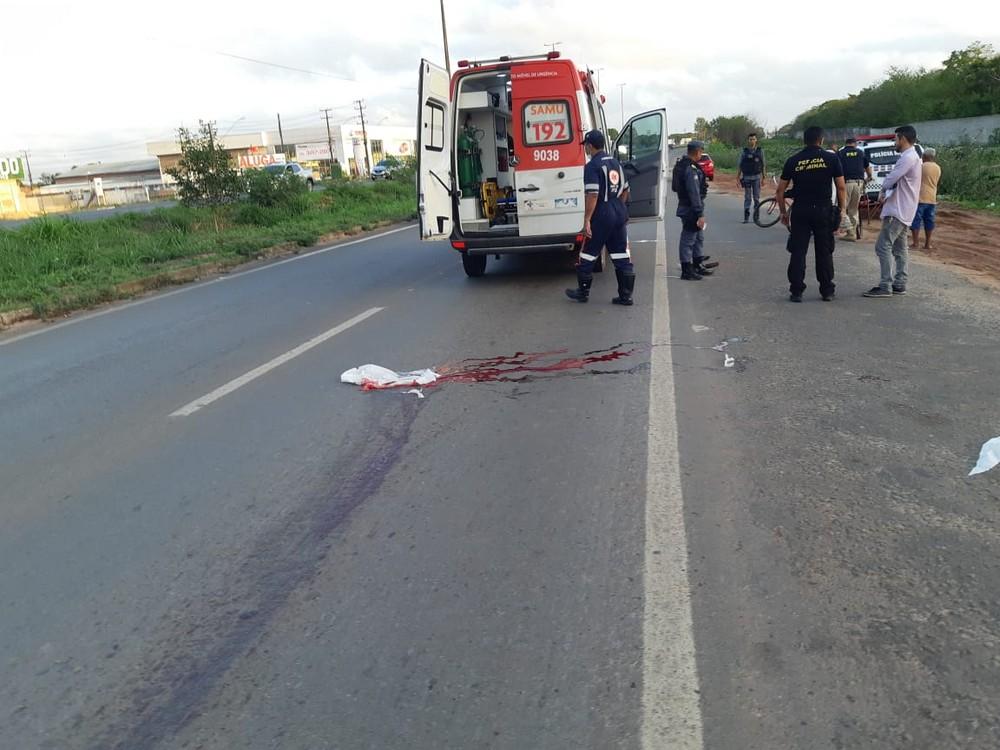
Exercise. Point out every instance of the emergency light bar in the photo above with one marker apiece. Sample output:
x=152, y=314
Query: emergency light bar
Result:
x=507, y=58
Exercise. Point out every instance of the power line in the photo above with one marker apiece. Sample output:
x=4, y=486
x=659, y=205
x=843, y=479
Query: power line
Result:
x=282, y=66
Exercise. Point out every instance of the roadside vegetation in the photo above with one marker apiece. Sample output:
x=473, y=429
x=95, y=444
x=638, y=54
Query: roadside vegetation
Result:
x=967, y=85
x=53, y=265
x=970, y=174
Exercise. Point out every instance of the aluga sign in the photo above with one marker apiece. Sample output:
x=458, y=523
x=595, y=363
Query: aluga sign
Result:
x=11, y=167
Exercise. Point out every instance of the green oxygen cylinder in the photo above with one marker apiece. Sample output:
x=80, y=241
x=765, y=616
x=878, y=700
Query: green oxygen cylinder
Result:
x=470, y=163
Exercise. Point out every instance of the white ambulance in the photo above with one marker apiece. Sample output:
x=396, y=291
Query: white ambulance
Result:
x=500, y=156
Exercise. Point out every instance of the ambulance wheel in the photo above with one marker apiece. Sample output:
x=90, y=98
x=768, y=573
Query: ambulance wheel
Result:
x=474, y=265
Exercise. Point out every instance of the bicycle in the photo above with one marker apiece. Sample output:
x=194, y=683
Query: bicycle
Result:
x=767, y=213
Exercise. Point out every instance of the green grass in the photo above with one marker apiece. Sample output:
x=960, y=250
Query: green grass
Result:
x=54, y=265
x=970, y=175
x=776, y=151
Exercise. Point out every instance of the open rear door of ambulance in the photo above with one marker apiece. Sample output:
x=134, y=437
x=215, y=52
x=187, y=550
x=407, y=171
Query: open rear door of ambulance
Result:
x=435, y=184
x=642, y=150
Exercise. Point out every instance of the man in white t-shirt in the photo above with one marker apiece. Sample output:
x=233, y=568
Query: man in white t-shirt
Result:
x=900, y=193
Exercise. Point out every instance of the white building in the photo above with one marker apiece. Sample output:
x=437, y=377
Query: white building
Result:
x=307, y=145
x=310, y=145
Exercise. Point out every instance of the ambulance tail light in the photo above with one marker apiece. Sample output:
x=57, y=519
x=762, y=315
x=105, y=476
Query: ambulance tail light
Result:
x=463, y=63
x=603, y=99
x=459, y=245
x=579, y=240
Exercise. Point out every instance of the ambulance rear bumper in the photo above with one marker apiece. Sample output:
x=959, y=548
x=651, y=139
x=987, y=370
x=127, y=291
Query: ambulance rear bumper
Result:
x=552, y=243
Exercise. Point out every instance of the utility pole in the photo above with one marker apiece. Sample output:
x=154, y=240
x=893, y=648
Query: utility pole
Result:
x=360, y=104
x=621, y=88
x=599, y=78
x=27, y=165
x=281, y=136
x=444, y=33
x=329, y=138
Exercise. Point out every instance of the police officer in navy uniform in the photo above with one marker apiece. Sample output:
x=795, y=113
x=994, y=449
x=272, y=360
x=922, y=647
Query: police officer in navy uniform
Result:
x=750, y=174
x=605, y=221
x=688, y=181
x=813, y=171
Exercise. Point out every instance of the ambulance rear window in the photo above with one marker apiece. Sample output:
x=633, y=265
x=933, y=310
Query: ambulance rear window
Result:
x=434, y=124
x=547, y=123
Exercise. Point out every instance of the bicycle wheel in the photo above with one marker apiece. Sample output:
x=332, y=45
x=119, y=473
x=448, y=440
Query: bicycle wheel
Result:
x=767, y=213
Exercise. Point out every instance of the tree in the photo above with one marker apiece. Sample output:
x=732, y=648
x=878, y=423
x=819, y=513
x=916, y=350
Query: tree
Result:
x=967, y=85
x=733, y=130
x=612, y=134
x=701, y=128
x=205, y=174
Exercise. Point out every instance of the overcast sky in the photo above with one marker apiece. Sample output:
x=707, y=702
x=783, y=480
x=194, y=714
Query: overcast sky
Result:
x=84, y=82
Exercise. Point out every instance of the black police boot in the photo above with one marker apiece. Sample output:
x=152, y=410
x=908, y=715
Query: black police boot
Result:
x=688, y=272
x=746, y=217
x=582, y=292
x=701, y=268
x=626, y=285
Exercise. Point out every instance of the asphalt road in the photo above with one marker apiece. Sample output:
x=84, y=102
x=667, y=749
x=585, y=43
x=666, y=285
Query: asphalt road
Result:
x=654, y=550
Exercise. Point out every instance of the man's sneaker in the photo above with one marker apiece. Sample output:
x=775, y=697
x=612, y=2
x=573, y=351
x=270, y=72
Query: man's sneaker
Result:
x=794, y=297
x=898, y=291
x=878, y=292
x=829, y=297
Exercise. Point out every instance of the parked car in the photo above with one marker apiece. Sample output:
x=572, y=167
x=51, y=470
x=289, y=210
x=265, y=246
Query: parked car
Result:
x=707, y=166
x=384, y=170
x=293, y=169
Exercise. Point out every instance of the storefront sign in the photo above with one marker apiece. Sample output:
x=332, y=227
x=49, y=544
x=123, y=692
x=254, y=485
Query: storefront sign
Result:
x=313, y=152
x=256, y=161
x=11, y=168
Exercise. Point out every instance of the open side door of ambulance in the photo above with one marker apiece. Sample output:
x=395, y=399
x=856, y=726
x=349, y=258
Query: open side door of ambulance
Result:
x=641, y=148
x=435, y=181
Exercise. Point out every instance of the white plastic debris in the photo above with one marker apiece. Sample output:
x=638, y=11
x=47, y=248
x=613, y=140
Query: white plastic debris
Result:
x=419, y=393
x=730, y=361
x=375, y=376
x=989, y=457
x=700, y=329
x=721, y=347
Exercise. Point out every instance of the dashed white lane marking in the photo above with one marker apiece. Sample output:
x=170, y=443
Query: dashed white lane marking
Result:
x=242, y=380
x=671, y=714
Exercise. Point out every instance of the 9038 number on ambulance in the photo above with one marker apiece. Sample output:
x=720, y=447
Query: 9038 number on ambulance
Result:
x=500, y=156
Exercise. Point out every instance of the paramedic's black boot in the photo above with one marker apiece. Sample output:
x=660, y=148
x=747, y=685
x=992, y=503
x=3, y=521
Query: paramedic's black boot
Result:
x=582, y=292
x=688, y=273
x=701, y=268
x=626, y=285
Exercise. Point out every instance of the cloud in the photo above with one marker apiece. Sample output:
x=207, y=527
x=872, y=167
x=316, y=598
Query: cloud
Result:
x=113, y=78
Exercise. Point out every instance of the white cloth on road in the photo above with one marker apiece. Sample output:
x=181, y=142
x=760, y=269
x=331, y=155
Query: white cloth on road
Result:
x=989, y=456
x=375, y=376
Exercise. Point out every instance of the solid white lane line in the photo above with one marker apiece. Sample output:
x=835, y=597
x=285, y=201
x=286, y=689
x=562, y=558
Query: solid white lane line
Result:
x=265, y=368
x=192, y=287
x=671, y=714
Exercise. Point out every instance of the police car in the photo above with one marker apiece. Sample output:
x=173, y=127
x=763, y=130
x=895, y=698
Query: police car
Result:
x=882, y=155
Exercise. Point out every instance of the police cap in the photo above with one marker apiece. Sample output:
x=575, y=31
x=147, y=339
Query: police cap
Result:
x=595, y=138
x=695, y=146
